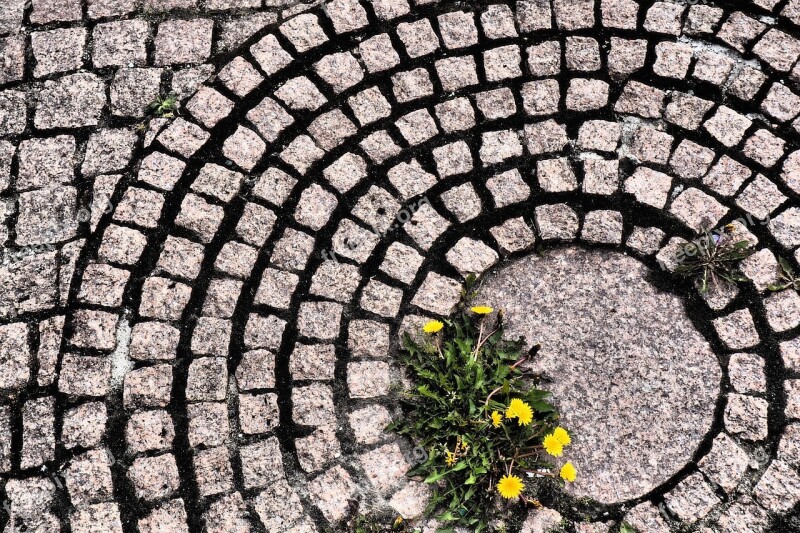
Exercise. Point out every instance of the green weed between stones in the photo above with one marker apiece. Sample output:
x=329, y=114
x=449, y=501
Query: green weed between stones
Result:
x=367, y=523
x=788, y=279
x=490, y=438
x=165, y=106
x=712, y=256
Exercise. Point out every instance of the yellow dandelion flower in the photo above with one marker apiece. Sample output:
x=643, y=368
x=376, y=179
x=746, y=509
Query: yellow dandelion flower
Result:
x=568, y=472
x=514, y=408
x=510, y=487
x=552, y=445
x=524, y=414
x=482, y=310
x=432, y=326
x=562, y=435
x=450, y=458
x=497, y=419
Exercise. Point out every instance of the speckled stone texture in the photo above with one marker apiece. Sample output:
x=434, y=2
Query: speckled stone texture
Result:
x=647, y=382
x=213, y=293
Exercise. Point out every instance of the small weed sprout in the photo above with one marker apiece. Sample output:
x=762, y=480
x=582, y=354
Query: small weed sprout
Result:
x=626, y=528
x=713, y=256
x=788, y=279
x=165, y=106
x=490, y=437
x=360, y=522
x=368, y=524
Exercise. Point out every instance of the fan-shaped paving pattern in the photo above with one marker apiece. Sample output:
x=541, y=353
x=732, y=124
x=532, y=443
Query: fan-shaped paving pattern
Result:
x=236, y=315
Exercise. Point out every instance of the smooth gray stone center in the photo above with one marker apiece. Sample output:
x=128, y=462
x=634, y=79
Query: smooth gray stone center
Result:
x=634, y=380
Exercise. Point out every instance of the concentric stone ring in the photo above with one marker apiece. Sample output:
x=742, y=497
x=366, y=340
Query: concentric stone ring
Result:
x=214, y=347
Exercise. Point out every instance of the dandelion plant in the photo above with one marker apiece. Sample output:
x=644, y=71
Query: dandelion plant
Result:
x=490, y=436
x=713, y=256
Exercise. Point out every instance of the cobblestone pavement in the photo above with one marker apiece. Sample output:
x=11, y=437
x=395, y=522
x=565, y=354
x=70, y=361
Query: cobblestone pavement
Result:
x=199, y=310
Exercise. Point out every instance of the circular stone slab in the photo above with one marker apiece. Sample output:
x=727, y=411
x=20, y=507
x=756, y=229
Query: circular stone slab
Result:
x=635, y=382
